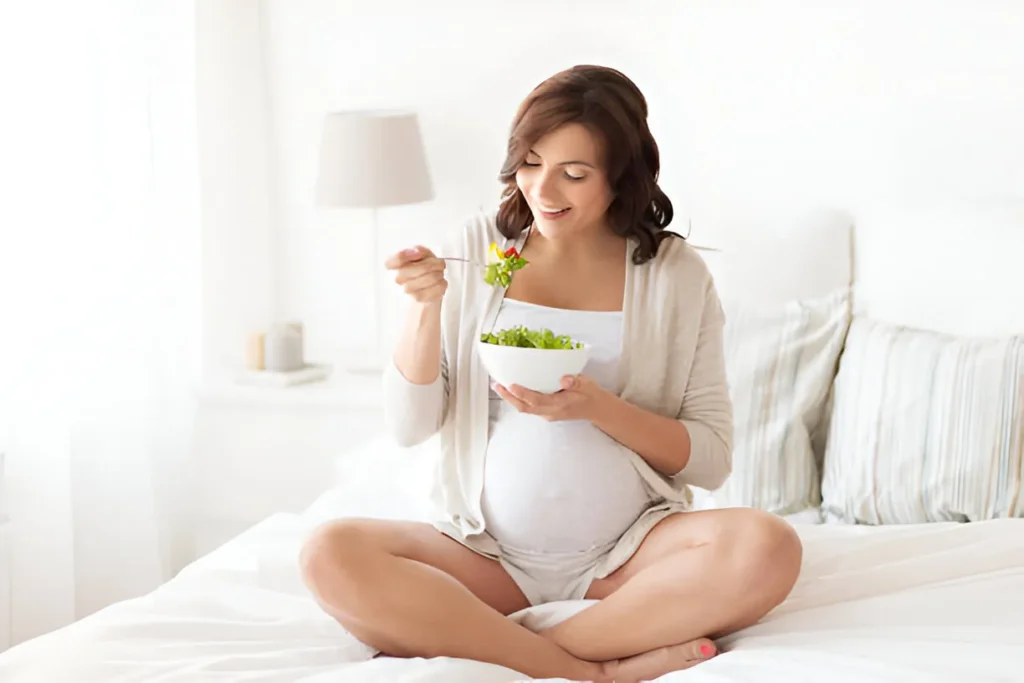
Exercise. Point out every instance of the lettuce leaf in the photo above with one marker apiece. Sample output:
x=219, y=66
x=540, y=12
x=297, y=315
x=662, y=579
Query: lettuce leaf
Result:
x=501, y=271
x=533, y=339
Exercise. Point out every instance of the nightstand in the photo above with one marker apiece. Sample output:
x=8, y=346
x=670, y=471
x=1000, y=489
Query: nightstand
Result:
x=260, y=450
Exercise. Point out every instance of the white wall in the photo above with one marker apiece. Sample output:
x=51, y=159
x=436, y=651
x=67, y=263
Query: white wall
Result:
x=236, y=177
x=841, y=103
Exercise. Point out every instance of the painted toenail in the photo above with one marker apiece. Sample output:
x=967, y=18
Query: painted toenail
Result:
x=706, y=650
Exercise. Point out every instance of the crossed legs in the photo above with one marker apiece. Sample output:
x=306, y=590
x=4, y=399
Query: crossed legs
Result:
x=697, y=576
x=408, y=590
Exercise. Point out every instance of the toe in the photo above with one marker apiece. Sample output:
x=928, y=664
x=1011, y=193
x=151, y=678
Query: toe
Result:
x=702, y=648
x=651, y=665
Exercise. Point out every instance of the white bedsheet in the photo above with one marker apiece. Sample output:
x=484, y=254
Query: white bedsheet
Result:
x=903, y=604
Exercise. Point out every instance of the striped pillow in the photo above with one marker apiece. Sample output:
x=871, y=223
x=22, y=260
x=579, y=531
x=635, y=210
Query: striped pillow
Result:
x=926, y=427
x=780, y=361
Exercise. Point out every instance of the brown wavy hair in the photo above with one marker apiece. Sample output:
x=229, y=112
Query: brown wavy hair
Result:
x=610, y=105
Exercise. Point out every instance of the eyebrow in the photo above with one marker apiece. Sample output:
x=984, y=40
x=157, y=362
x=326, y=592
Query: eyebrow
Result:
x=575, y=162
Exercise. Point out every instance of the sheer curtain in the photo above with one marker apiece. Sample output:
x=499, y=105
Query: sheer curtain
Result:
x=100, y=291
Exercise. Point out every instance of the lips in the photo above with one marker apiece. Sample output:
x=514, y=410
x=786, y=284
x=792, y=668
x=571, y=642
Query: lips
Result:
x=551, y=215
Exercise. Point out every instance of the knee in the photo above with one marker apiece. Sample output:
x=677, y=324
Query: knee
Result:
x=332, y=551
x=767, y=553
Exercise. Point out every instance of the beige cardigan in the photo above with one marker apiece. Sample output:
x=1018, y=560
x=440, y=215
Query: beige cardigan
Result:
x=672, y=364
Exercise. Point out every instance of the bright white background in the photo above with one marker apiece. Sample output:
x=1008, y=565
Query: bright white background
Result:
x=156, y=209
x=100, y=300
x=781, y=101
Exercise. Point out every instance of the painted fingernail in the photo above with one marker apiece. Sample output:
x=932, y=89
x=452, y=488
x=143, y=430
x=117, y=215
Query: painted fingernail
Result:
x=706, y=650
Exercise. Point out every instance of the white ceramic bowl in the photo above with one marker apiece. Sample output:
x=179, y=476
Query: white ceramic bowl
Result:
x=536, y=369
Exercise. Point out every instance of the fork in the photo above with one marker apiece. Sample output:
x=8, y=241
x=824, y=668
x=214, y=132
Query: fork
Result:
x=463, y=260
x=484, y=265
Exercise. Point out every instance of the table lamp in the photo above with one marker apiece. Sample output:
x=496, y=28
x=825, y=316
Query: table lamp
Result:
x=369, y=160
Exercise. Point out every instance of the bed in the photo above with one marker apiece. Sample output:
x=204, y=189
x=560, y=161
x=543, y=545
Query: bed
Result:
x=930, y=602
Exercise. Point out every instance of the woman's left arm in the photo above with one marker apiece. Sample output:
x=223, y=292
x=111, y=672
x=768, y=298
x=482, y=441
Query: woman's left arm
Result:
x=663, y=442
x=696, y=447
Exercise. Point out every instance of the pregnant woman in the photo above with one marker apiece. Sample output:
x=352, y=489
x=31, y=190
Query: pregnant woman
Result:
x=579, y=494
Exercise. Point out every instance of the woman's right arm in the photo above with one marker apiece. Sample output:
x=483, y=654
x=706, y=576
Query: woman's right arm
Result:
x=416, y=382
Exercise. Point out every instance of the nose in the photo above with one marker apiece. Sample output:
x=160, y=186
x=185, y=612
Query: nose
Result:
x=544, y=190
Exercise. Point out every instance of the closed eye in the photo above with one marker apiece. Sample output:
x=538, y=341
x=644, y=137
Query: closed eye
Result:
x=567, y=174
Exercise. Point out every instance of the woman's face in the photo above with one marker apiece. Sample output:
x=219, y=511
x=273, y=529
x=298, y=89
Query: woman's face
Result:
x=564, y=182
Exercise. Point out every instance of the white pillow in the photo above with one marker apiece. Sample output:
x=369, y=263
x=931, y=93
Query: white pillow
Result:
x=926, y=427
x=381, y=480
x=783, y=275
x=780, y=360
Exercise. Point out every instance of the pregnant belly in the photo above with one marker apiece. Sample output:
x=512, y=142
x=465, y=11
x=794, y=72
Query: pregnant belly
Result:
x=558, y=486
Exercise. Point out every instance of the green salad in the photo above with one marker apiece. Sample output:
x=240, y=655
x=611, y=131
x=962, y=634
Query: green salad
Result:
x=501, y=265
x=530, y=339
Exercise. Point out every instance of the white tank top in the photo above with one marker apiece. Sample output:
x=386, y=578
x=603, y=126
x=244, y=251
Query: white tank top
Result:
x=560, y=486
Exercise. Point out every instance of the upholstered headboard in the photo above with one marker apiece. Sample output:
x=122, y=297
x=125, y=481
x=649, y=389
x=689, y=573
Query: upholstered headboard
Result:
x=952, y=268
x=768, y=256
x=943, y=266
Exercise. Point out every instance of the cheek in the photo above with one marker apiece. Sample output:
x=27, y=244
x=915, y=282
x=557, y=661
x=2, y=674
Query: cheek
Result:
x=595, y=196
x=523, y=181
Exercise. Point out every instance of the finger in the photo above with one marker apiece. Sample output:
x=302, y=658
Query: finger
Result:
x=432, y=293
x=412, y=271
x=534, y=398
x=399, y=259
x=569, y=382
x=422, y=282
x=406, y=256
x=515, y=402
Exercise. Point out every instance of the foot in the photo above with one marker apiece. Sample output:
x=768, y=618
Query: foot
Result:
x=651, y=665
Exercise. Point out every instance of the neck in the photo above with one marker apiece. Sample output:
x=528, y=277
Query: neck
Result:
x=595, y=244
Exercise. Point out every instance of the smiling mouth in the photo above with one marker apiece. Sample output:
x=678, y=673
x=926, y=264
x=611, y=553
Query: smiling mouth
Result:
x=554, y=214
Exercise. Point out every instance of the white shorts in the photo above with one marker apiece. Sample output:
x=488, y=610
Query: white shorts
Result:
x=551, y=577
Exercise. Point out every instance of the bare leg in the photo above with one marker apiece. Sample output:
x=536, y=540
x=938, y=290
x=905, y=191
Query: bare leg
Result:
x=697, y=574
x=410, y=591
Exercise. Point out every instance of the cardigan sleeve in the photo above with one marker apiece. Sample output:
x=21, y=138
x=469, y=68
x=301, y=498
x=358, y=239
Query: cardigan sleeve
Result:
x=707, y=408
x=414, y=412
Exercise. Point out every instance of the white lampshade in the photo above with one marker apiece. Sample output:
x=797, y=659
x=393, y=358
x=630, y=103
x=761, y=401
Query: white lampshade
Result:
x=372, y=159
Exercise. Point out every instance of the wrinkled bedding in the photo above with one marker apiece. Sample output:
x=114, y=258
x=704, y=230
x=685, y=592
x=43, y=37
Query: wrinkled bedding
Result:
x=939, y=602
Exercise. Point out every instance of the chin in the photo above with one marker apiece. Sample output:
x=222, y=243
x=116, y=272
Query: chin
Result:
x=556, y=228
